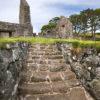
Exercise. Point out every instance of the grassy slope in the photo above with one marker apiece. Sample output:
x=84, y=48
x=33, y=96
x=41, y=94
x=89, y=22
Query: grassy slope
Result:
x=76, y=43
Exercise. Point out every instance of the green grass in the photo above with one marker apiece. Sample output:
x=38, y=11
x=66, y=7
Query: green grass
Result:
x=89, y=35
x=74, y=42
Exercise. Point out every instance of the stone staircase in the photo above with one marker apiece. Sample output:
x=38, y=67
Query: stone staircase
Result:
x=47, y=77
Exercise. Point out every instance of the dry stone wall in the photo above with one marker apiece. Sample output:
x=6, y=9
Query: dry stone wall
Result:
x=86, y=64
x=12, y=60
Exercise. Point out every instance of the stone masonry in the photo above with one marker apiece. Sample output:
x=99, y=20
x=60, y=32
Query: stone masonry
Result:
x=46, y=76
x=63, y=29
x=12, y=60
x=24, y=28
x=85, y=62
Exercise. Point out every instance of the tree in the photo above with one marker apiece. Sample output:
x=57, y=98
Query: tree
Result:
x=76, y=21
x=54, y=20
x=93, y=20
x=51, y=25
x=48, y=27
x=97, y=14
x=87, y=20
x=84, y=22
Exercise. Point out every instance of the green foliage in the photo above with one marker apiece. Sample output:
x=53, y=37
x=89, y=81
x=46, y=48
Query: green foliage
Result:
x=51, y=25
x=48, y=27
x=76, y=20
x=87, y=21
x=54, y=20
x=89, y=36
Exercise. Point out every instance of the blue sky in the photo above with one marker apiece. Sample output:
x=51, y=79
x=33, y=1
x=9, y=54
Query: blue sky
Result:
x=43, y=10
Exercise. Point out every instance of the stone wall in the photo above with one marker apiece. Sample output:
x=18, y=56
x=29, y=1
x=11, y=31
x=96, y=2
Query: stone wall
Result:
x=15, y=29
x=64, y=28
x=12, y=60
x=86, y=64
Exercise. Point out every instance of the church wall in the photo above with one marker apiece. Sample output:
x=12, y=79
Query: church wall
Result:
x=15, y=29
x=4, y=34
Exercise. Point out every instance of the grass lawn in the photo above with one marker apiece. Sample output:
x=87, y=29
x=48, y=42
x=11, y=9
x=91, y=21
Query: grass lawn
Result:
x=89, y=36
x=75, y=42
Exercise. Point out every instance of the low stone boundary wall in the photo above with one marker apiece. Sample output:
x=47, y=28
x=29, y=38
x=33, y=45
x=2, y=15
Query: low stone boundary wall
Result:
x=12, y=60
x=86, y=64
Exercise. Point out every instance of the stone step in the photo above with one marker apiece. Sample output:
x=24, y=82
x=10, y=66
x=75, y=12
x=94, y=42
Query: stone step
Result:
x=76, y=93
x=58, y=67
x=43, y=76
x=47, y=57
x=45, y=53
x=46, y=97
x=48, y=61
x=41, y=50
x=42, y=47
x=47, y=67
x=55, y=57
x=48, y=77
x=50, y=64
x=37, y=88
x=43, y=87
x=42, y=66
x=72, y=95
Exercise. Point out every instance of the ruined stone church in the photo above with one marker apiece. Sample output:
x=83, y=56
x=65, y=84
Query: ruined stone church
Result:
x=24, y=28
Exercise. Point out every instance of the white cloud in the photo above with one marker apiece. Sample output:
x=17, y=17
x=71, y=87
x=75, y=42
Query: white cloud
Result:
x=41, y=13
x=41, y=10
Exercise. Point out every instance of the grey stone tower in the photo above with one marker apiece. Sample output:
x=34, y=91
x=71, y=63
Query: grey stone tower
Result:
x=24, y=16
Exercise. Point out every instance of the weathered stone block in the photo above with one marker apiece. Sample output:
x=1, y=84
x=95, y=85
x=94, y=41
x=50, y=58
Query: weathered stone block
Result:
x=37, y=88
